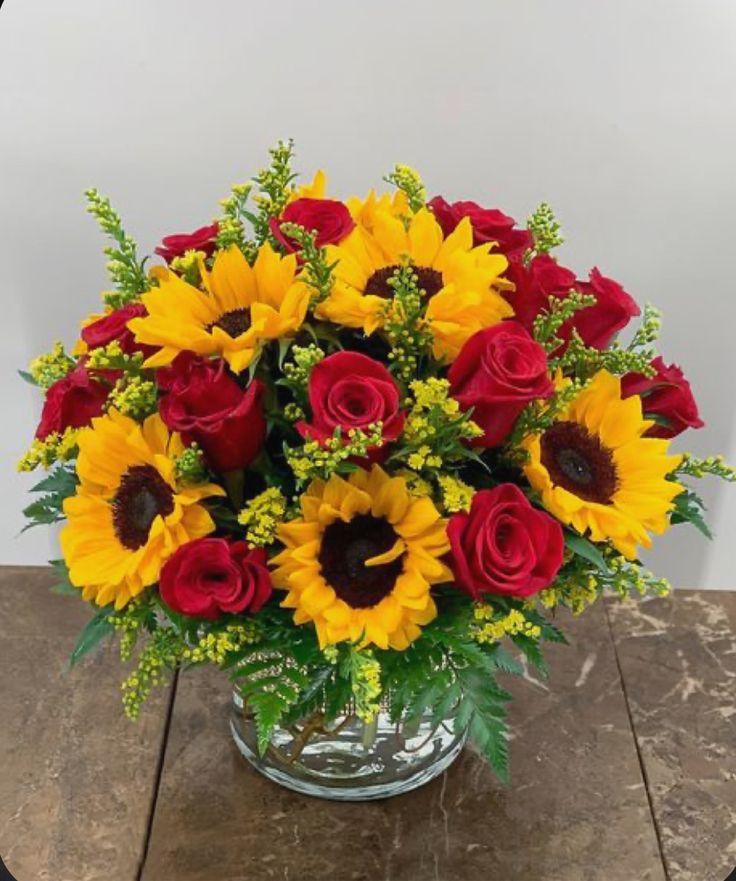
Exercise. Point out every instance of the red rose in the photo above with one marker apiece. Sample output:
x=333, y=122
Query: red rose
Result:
x=489, y=225
x=71, y=402
x=666, y=397
x=498, y=371
x=210, y=576
x=114, y=326
x=349, y=390
x=205, y=404
x=545, y=278
x=202, y=239
x=504, y=545
x=330, y=219
x=614, y=308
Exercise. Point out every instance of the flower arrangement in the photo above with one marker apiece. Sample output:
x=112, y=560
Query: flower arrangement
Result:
x=356, y=452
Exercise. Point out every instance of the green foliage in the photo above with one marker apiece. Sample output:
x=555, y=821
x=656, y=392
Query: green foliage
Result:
x=56, y=486
x=63, y=584
x=94, y=632
x=689, y=508
x=126, y=271
x=585, y=549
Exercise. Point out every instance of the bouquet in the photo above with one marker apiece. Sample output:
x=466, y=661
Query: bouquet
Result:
x=357, y=453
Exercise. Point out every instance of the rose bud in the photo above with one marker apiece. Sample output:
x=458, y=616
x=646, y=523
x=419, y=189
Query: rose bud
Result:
x=329, y=218
x=349, y=390
x=202, y=239
x=205, y=404
x=498, y=372
x=504, y=545
x=71, y=402
x=666, y=397
x=489, y=225
x=208, y=577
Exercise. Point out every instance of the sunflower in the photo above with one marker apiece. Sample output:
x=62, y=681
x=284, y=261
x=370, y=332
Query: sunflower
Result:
x=361, y=559
x=241, y=307
x=128, y=516
x=363, y=211
x=596, y=471
x=460, y=282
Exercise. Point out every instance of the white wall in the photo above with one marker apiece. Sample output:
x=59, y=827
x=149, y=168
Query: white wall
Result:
x=620, y=113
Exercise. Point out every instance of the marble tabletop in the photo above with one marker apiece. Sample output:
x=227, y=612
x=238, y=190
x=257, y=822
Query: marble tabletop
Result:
x=623, y=767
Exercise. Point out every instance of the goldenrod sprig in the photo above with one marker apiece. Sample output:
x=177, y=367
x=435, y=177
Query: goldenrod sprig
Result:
x=712, y=465
x=46, y=369
x=406, y=179
x=190, y=468
x=134, y=396
x=408, y=332
x=436, y=429
x=262, y=515
x=274, y=185
x=648, y=331
x=230, y=226
x=560, y=310
x=585, y=361
x=316, y=272
x=545, y=228
x=54, y=447
x=492, y=625
x=322, y=459
x=126, y=271
x=298, y=370
x=112, y=357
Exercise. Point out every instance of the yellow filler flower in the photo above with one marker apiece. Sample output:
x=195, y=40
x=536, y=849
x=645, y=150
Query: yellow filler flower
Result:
x=460, y=283
x=128, y=517
x=241, y=308
x=360, y=560
x=596, y=471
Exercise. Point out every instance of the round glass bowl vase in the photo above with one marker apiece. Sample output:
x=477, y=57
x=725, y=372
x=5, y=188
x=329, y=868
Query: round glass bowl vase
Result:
x=349, y=759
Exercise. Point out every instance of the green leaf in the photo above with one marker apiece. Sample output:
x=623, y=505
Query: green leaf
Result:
x=94, y=631
x=63, y=585
x=689, y=508
x=61, y=480
x=24, y=374
x=531, y=650
x=586, y=549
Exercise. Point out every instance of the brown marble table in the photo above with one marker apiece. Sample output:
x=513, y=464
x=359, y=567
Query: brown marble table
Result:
x=623, y=767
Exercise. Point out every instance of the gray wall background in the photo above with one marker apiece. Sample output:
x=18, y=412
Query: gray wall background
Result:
x=621, y=114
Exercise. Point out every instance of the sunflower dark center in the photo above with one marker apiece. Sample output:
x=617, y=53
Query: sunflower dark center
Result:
x=430, y=281
x=346, y=547
x=579, y=462
x=142, y=495
x=234, y=322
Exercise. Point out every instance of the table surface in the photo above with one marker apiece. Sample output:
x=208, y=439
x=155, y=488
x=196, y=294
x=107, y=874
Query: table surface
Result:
x=623, y=767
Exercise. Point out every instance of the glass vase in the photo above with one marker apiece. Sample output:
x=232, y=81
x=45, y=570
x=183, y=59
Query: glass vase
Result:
x=349, y=759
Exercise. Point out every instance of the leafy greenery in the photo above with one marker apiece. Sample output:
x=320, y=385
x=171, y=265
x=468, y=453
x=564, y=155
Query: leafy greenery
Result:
x=56, y=486
x=689, y=508
x=94, y=632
